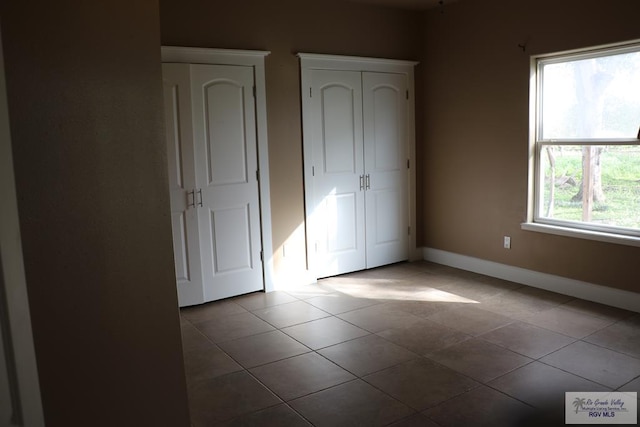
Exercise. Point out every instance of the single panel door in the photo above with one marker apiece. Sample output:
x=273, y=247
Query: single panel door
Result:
x=385, y=147
x=227, y=197
x=337, y=217
x=182, y=183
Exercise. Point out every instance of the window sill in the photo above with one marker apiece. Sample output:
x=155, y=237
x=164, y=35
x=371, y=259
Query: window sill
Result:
x=582, y=234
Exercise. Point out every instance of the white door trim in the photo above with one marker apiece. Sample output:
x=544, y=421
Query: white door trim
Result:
x=312, y=61
x=255, y=59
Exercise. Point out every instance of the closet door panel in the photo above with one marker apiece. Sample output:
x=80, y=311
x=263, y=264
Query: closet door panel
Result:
x=385, y=150
x=226, y=173
x=338, y=211
x=180, y=155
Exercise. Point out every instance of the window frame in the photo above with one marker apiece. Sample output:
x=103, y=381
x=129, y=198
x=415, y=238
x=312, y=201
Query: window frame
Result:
x=535, y=221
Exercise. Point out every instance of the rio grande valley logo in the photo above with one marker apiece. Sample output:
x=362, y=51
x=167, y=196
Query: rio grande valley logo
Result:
x=601, y=408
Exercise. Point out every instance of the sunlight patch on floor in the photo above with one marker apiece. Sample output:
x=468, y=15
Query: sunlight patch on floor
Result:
x=383, y=290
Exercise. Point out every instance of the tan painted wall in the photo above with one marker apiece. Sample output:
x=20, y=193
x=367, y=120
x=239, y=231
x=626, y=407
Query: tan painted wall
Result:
x=476, y=130
x=84, y=84
x=286, y=27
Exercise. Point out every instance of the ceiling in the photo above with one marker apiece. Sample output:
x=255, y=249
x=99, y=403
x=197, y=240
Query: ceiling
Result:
x=409, y=4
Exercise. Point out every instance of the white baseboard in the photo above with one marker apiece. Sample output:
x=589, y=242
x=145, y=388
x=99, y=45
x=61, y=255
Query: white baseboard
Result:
x=575, y=288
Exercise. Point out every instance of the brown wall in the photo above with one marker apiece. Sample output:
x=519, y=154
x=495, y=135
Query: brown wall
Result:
x=476, y=130
x=84, y=87
x=286, y=27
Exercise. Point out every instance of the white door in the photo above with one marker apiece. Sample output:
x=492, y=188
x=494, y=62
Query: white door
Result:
x=212, y=151
x=385, y=148
x=227, y=195
x=359, y=218
x=338, y=180
x=182, y=183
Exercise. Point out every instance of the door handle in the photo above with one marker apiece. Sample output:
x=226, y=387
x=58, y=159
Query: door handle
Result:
x=200, y=197
x=192, y=203
x=361, y=182
x=368, y=185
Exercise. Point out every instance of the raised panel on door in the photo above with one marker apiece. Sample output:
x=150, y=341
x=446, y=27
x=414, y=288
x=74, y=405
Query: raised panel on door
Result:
x=226, y=174
x=338, y=206
x=385, y=148
x=180, y=156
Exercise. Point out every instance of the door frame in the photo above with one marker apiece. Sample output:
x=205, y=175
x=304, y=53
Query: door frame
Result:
x=313, y=61
x=255, y=59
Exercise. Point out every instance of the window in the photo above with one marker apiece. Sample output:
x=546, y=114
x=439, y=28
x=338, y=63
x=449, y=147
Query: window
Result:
x=585, y=139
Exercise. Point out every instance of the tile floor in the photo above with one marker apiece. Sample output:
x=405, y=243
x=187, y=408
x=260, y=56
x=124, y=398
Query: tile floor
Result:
x=411, y=344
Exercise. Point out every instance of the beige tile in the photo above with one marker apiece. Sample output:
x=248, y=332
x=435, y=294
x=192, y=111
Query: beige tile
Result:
x=514, y=306
x=477, y=289
x=355, y=403
x=390, y=272
x=424, y=337
x=632, y=386
x=301, y=375
x=416, y=420
x=329, y=395
x=595, y=363
x=290, y=314
x=528, y=340
x=305, y=292
x=479, y=359
x=211, y=310
x=208, y=363
x=276, y=416
x=366, y=355
x=482, y=407
x=263, y=348
x=420, y=383
x=193, y=339
x=324, y=332
x=542, y=295
x=424, y=308
x=504, y=284
x=470, y=319
x=258, y=300
x=233, y=327
x=227, y=397
x=380, y=291
x=524, y=300
x=567, y=322
x=598, y=310
x=543, y=387
x=338, y=303
x=623, y=336
x=379, y=317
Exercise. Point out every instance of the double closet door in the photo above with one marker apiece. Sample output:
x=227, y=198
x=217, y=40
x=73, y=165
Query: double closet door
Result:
x=358, y=212
x=212, y=154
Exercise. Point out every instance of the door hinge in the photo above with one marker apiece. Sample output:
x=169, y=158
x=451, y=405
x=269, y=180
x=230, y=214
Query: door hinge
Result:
x=310, y=95
x=313, y=171
x=407, y=94
x=408, y=164
x=261, y=255
x=254, y=91
x=258, y=175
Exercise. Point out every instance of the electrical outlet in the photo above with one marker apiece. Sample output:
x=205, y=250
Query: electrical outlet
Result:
x=507, y=242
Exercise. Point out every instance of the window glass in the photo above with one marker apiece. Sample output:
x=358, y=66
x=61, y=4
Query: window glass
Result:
x=596, y=97
x=616, y=184
x=587, y=140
